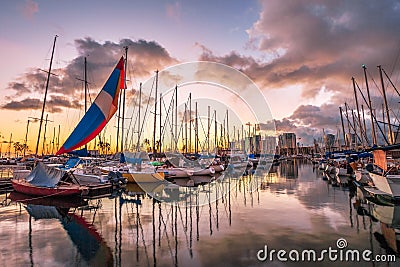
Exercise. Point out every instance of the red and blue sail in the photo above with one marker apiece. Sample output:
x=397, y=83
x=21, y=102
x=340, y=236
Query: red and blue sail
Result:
x=100, y=112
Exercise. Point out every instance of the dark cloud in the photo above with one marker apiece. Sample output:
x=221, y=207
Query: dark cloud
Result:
x=319, y=42
x=318, y=117
x=25, y=104
x=308, y=122
x=144, y=57
x=319, y=45
x=53, y=105
x=20, y=88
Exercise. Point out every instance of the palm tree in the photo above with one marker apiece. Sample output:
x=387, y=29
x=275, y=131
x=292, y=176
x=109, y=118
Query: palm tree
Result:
x=146, y=142
x=18, y=147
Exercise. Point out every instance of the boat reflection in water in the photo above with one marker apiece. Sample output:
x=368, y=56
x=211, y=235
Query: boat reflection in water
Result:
x=389, y=218
x=90, y=246
x=383, y=219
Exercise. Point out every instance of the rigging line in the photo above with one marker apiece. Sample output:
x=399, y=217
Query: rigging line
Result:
x=396, y=118
x=147, y=107
x=372, y=78
x=166, y=119
x=166, y=235
x=130, y=122
x=391, y=82
x=143, y=239
x=213, y=216
x=357, y=122
x=396, y=60
x=204, y=143
x=179, y=133
x=184, y=228
x=373, y=115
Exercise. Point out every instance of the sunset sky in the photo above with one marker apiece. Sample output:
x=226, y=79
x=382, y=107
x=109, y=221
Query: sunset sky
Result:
x=301, y=54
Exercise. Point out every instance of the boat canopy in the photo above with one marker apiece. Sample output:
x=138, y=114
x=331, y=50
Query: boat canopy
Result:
x=45, y=176
x=136, y=157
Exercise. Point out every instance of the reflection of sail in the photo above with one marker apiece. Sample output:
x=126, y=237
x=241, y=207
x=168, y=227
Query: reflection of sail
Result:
x=85, y=237
x=88, y=241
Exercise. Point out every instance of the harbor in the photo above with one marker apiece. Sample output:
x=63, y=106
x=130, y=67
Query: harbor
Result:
x=128, y=227
x=200, y=133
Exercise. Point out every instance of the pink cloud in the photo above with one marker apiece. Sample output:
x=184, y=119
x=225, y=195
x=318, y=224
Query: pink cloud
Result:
x=173, y=11
x=30, y=8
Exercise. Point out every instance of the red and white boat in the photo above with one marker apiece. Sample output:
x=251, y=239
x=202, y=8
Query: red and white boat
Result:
x=48, y=181
x=67, y=189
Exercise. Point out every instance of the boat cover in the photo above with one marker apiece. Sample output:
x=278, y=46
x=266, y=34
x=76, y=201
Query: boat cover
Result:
x=45, y=176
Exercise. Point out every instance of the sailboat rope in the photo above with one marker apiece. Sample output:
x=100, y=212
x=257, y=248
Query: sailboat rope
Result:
x=166, y=119
x=147, y=107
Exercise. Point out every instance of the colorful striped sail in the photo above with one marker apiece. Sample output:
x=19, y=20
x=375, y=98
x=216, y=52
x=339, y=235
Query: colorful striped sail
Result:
x=100, y=112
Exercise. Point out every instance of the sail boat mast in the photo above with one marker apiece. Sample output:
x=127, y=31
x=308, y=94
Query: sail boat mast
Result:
x=26, y=137
x=374, y=141
x=386, y=106
x=123, y=100
x=176, y=118
x=86, y=91
x=155, y=116
x=45, y=94
x=358, y=113
x=344, y=133
x=139, y=128
x=160, y=130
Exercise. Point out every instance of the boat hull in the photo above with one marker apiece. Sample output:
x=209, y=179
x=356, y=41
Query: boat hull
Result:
x=143, y=177
x=176, y=172
x=390, y=184
x=209, y=171
x=22, y=186
x=218, y=168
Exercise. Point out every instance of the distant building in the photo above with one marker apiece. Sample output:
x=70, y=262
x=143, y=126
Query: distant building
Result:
x=329, y=140
x=287, y=143
x=268, y=145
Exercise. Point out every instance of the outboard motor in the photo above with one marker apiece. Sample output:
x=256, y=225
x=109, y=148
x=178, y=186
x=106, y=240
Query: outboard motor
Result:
x=116, y=178
x=121, y=178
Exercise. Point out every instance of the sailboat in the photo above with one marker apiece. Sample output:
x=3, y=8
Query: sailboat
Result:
x=45, y=180
x=48, y=181
x=384, y=174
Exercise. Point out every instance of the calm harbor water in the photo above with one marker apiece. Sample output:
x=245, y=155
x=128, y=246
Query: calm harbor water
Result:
x=293, y=208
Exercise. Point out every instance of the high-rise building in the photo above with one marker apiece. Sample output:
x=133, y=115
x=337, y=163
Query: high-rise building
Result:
x=329, y=140
x=287, y=143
